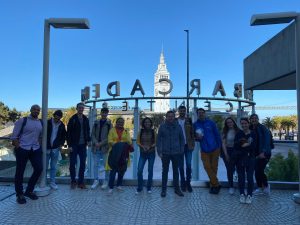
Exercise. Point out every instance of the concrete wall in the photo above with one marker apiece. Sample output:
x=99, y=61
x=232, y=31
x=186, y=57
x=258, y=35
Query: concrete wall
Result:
x=272, y=66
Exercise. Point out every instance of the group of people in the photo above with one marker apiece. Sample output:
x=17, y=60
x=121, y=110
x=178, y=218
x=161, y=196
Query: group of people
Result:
x=246, y=150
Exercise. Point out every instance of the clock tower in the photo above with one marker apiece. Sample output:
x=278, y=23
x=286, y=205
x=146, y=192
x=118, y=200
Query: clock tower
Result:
x=161, y=105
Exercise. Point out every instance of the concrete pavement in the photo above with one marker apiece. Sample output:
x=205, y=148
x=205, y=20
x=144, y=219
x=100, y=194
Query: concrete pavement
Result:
x=66, y=206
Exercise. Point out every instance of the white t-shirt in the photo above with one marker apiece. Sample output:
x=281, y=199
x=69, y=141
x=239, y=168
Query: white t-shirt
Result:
x=54, y=131
x=181, y=123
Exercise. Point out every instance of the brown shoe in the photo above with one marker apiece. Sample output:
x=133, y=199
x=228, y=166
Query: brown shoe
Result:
x=73, y=185
x=82, y=186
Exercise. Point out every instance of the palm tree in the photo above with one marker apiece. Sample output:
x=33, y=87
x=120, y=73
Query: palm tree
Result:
x=294, y=119
x=277, y=124
x=269, y=123
x=290, y=124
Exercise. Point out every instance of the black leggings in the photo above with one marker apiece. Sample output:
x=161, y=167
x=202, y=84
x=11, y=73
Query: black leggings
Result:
x=260, y=176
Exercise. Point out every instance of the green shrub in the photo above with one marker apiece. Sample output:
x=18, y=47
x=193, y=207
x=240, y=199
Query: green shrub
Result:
x=58, y=173
x=283, y=169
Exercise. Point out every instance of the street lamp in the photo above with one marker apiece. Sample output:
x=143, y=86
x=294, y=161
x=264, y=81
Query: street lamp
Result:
x=187, y=72
x=287, y=17
x=61, y=23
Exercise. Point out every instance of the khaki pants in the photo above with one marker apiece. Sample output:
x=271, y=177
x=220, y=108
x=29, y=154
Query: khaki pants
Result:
x=210, y=163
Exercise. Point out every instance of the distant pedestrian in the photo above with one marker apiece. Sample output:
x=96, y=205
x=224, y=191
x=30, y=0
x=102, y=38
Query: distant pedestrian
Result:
x=120, y=146
x=207, y=134
x=78, y=137
x=26, y=138
x=230, y=129
x=170, y=147
x=262, y=153
x=146, y=140
x=244, y=152
x=56, y=137
x=100, y=147
x=189, y=144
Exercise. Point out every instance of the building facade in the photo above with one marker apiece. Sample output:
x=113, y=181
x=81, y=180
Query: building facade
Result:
x=161, y=105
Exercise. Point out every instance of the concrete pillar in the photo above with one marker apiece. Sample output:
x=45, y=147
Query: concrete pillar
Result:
x=195, y=159
x=136, y=122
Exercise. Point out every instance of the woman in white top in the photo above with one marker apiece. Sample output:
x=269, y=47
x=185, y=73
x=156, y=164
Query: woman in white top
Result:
x=228, y=134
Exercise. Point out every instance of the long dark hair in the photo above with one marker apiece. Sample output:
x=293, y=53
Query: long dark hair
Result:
x=226, y=128
x=143, y=128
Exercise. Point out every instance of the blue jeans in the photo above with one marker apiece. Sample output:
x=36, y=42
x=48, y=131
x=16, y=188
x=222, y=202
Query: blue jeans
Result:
x=99, y=165
x=246, y=165
x=142, y=160
x=81, y=151
x=188, y=153
x=52, y=155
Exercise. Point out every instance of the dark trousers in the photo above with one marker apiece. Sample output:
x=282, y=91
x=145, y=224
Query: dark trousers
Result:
x=230, y=165
x=81, y=151
x=112, y=177
x=260, y=176
x=144, y=157
x=187, y=155
x=246, y=165
x=35, y=158
x=165, y=169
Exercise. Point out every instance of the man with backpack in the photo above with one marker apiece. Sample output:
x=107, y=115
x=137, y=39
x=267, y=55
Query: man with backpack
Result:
x=100, y=147
x=26, y=138
x=262, y=153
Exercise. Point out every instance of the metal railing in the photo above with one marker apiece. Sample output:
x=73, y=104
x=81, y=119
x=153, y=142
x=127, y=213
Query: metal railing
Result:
x=7, y=164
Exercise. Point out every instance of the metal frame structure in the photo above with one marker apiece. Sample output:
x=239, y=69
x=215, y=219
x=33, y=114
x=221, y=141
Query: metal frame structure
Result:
x=136, y=116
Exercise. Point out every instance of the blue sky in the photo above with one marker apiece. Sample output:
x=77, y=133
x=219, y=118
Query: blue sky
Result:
x=124, y=43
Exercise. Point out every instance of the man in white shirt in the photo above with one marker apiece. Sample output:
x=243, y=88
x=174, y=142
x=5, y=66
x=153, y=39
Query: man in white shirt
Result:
x=188, y=133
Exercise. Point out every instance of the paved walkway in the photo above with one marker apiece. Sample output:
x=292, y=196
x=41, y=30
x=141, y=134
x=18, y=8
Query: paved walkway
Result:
x=67, y=206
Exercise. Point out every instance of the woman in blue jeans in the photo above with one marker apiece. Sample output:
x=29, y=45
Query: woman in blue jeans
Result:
x=146, y=140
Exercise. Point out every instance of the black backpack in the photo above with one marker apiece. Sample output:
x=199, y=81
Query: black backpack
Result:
x=118, y=156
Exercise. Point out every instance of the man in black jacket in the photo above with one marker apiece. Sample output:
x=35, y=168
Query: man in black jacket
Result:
x=78, y=137
x=56, y=136
x=263, y=154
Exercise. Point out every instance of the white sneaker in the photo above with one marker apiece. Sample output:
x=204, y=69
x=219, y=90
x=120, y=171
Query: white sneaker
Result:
x=149, y=192
x=267, y=190
x=137, y=192
x=95, y=184
x=119, y=188
x=231, y=191
x=110, y=191
x=248, y=199
x=104, y=185
x=242, y=198
x=258, y=191
x=235, y=177
x=53, y=186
